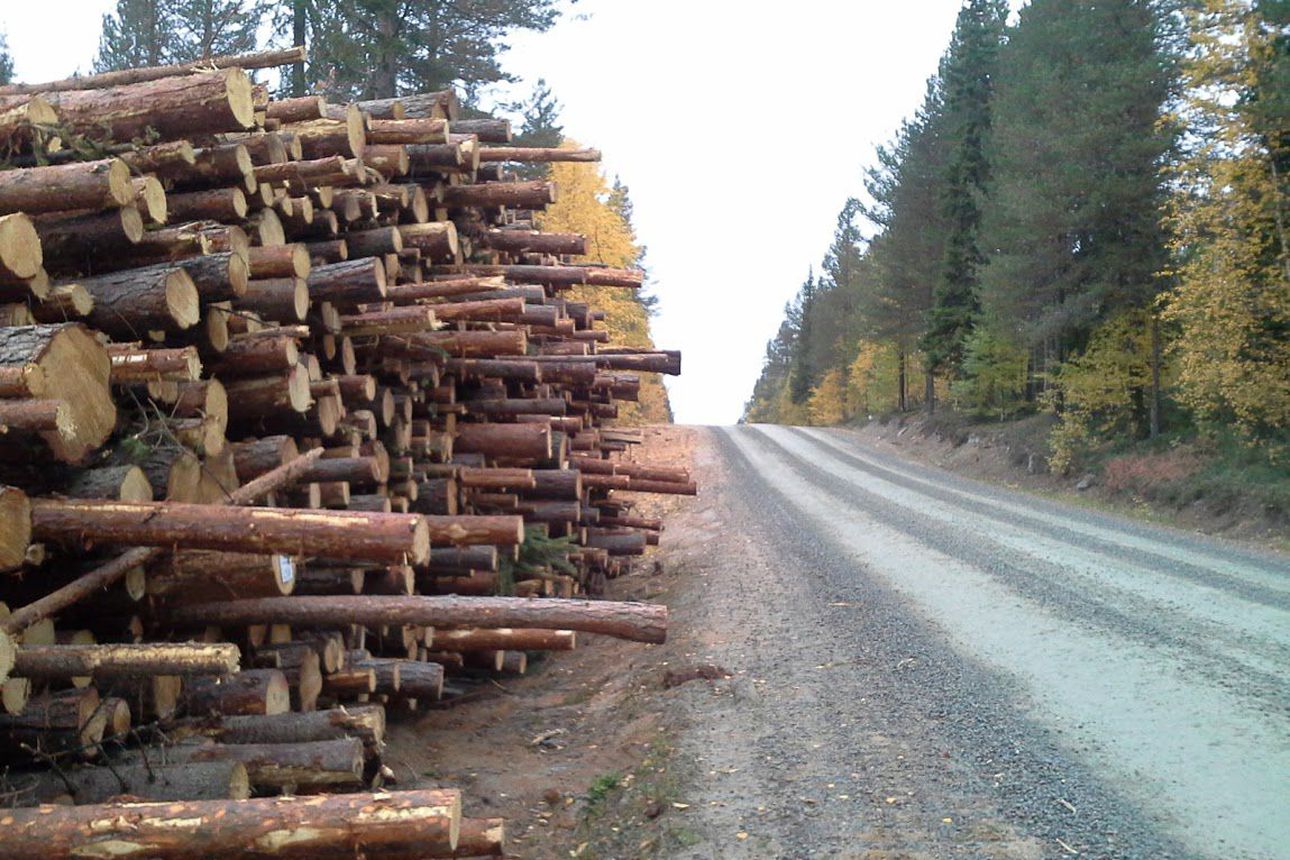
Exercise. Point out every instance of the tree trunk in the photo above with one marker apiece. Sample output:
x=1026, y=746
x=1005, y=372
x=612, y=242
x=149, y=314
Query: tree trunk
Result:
x=325, y=534
x=151, y=781
x=306, y=765
x=636, y=621
x=80, y=185
x=504, y=639
x=131, y=303
x=109, y=662
x=365, y=722
x=256, y=691
x=321, y=827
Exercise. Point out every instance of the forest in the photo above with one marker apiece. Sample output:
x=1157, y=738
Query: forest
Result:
x=1084, y=225
x=370, y=49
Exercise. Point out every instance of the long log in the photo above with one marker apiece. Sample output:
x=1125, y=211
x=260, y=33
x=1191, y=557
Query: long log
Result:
x=173, y=107
x=216, y=780
x=535, y=154
x=258, y=60
x=108, y=573
x=318, y=826
x=354, y=535
x=504, y=639
x=641, y=622
x=297, y=765
x=81, y=185
x=366, y=722
x=109, y=662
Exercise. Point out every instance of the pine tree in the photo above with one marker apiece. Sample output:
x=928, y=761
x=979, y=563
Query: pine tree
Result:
x=158, y=32
x=967, y=75
x=6, y=61
x=213, y=28
x=1072, y=223
x=383, y=48
x=138, y=33
x=805, y=373
x=540, y=126
x=907, y=188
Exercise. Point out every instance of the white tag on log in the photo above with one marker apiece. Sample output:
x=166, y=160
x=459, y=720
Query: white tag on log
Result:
x=286, y=569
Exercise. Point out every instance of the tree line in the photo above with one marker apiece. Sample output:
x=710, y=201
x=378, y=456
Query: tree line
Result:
x=1087, y=215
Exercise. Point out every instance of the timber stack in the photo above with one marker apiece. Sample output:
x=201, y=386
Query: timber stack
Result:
x=298, y=431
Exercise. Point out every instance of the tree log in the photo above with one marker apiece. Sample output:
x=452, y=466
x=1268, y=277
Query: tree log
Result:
x=109, y=662
x=255, y=691
x=296, y=765
x=153, y=781
x=503, y=638
x=325, y=827
x=365, y=722
x=327, y=534
x=640, y=622
x=130, y=303
x=71, y=366
x=80, y=185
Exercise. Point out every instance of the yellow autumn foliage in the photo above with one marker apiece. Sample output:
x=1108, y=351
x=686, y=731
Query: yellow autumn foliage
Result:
x=827, y=403
x=583, y=206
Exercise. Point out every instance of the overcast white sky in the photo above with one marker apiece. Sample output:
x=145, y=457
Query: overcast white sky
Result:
x=741, y=128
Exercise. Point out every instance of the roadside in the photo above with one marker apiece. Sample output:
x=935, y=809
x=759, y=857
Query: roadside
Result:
x=1168, y=488
x=579, y=754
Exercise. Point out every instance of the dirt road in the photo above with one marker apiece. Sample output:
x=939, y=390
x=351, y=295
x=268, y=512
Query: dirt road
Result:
x=928, y=667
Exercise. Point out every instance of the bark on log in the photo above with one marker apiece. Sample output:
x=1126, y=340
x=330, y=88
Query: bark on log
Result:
x=327, y=534
x=534, y=154
x=153, y=781
x=504, y=639
x=640, y=622
x=365, y=722
x=15, y=528
x=256, y=691
x=536, y=194
x=320, y=826
x=532, y=242
x=505, y=440
x=175, y=107
x=110, y=662
x=101, y=184
x=258, y=60
x=348, y=283
x=298, y=765
x=131, y=303
x=197, y=576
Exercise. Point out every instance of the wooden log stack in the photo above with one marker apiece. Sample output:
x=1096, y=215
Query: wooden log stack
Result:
x=295, y=423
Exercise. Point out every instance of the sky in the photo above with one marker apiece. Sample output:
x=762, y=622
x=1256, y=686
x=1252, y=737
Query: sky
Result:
x=741, y=128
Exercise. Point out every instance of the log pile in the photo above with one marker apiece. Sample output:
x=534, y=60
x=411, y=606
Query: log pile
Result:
x=298, y=431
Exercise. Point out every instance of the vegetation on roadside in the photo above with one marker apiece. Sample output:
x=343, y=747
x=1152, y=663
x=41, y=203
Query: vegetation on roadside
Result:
x=1088, y=217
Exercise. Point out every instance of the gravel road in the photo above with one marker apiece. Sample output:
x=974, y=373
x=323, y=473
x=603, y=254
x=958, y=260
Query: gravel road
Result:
x=926, y=667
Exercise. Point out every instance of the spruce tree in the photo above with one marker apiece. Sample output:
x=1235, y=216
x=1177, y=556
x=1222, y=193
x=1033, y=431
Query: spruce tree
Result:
x=6, y=61
x=967, y=76
x=540, y=126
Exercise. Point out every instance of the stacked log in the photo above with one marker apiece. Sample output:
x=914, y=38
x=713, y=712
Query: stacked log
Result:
x=295, y=421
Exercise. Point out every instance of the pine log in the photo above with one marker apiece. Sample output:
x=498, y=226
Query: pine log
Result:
x=466, y=558
x=519, y=195
x=505, y=440
x=80, y=185
x=395, y=131
x=534, y=154
x=504, y=638
x=72, y=367
x=198, y=576
x=130, y=303
x=350, y=282
x=618, y=544
x=258, y=456
x=255, y=691
x=365, y=722
x=486, y=130
x=437, y=239
x=330, y=534
x=20, y=248
x=259, y=60
x=173, y=107
x=635, y=621
x=318, y=827
x=301, y=765
x=149, y=781
x=532, y=242
x=109, y=662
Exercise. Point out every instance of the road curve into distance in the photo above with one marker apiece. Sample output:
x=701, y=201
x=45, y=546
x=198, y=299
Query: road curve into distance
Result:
x=1154, y=660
